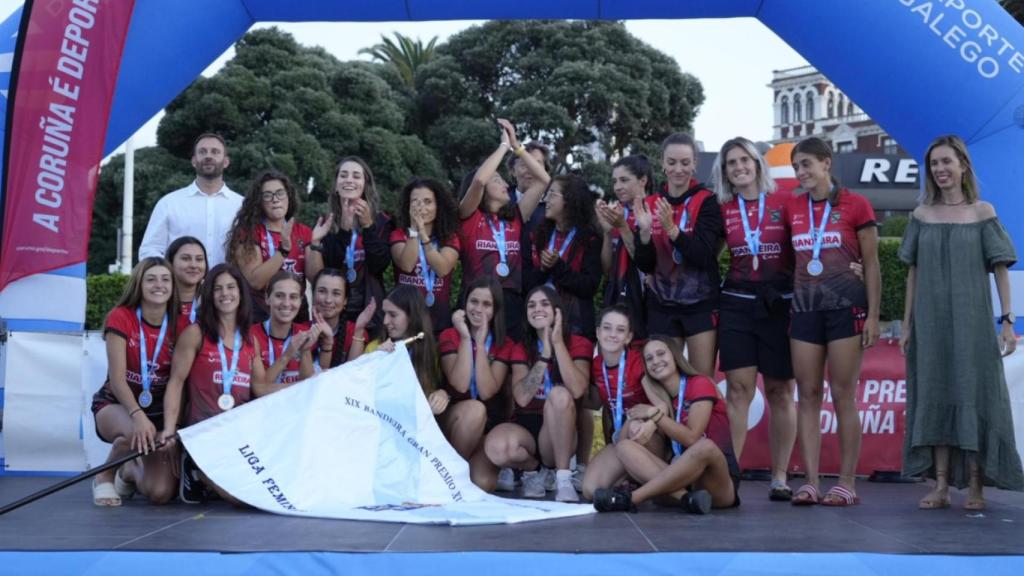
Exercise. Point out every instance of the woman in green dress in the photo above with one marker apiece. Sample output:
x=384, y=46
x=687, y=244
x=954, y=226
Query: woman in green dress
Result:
x=959, y=428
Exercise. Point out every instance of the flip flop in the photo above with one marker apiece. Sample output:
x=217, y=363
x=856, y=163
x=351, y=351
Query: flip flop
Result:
x=806, y=495
x=779, y=491
x=104, y=495
x=840, y=496
x=123, y=488
x=973, y=504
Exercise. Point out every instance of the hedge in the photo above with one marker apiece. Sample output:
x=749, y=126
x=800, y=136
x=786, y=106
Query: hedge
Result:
x=104, y=289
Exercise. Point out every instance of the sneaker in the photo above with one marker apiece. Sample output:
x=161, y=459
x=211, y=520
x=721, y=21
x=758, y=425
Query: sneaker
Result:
x=549, y=478
x=191, y=490
x=564, y=491
x=506, y=480
x=613, y=500
x=697, y=502
x=533, y=484
x=577, y=477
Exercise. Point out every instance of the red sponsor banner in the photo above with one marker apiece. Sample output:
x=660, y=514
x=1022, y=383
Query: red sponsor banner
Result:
x=67, y=74
x=881, y=401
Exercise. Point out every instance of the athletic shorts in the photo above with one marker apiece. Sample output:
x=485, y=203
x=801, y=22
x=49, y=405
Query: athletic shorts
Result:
x=824, y=326
x=677, y=320
x=747, y=340
x=532, y=421
x=104, y=397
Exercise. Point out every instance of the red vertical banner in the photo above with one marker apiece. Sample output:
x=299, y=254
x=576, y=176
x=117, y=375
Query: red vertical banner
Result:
x=66, y=74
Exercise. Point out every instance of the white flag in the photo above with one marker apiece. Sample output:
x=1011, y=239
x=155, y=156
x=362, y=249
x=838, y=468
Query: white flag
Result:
x=355, y=442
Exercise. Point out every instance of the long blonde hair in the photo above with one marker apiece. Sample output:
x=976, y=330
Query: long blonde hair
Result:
x=720, y=180
x=932, y=194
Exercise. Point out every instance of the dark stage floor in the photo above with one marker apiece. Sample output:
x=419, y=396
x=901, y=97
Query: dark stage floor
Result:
x=886, y=522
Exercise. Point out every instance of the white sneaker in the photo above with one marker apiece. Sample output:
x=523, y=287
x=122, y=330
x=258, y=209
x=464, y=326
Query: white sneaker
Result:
x=565, y=491
x=533, y=484
x=506, y=480
x=549, y=478
x=577, y=477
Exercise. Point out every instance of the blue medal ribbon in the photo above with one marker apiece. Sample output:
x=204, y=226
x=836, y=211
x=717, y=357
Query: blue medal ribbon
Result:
x=228, y=376
x=752, y=237
x=683, y=218
x=472, y=377
x=270, y=347
x=499, y=241
x=817, y=236
x=271, y=249
x=565, y=245
x=677, y=448
x=426, y=272
x=350, y=256
x=547, y=374
x=147, y=376
x=192, y=312
x=617, y=406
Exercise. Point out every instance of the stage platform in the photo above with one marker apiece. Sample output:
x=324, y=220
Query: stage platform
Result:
x=887, y=522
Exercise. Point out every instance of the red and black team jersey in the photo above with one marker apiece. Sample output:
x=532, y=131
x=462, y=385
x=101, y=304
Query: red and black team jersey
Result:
x=371, y=259
x=123, y=322
x=837, y=287
x=295, y=263
x=625, y=283
x=697, y=278
x=343, y=336
x=441, y=311
x=579, y=348
x=576, y=277
x=185, y=314
x=633, y=391
x=448, y=343
x=290, y=374
x=479, y=254
x=775, y=255
x=701, y=387
x=205, y=379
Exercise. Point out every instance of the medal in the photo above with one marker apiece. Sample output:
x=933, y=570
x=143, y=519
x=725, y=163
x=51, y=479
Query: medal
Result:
x=677, y=256
x=145, y=399
x=815, y=267
x=752, y=236
x=754, y=263
x=350, y=275
x=428, y=275
x=350, y=257
x=501, y=269
x=499, y=241
x=429, y=299
x=226, y=402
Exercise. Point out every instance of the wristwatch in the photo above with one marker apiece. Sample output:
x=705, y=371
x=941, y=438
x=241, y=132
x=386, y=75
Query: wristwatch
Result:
x=1009, y=318
x=284, y=252
x=413, y=233
x=317, y=247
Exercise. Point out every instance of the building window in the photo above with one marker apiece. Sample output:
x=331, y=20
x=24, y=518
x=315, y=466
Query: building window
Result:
x=785, y=110
x=849, y=109
x=889, y=146
x=797, y=109
x=831, y=105
x=810, y=107
x=844, y=147
x=842, y=104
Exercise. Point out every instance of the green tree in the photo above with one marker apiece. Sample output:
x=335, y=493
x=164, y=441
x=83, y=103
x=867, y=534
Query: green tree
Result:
x=586, y=88
x=406, y=55
x=1015, y=8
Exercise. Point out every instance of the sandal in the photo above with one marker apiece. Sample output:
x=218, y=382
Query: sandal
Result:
x=105, y=495
x=840, y=496
x=124, y=488
x=779, y=491
x=806, y=495
x=975, y=503
x=934, y=501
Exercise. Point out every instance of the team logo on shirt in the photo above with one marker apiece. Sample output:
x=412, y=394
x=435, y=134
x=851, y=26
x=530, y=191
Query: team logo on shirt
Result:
x=835, y=217
x=775, y=216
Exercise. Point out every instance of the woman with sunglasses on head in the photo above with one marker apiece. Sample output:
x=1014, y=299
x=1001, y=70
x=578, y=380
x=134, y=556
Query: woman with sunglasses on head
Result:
x=834, y=312
x=425, y=245
x=353, y=237
x=477, y=356
x=680, y=234
x=688, y=410
x=543, y=433
x=754, y=315
x=140, y=333
x=632, y=178
x=339, y=339
x=187, y=256
x=491, y=229
x=265, y=238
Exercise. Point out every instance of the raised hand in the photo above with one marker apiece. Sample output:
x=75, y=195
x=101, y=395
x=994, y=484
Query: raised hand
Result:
x=286, y=235
x=366, y=316
x=438, y=401
x=460, y=324
x=548, y=259
x=509, y=133
x=362, y=212
x=644, y=221
x=665, y=215
x=556, y=328
x=323, y=227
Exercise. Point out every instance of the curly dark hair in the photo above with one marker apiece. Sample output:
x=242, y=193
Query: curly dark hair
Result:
x=446, y=219
x=250, y=215
x=578, y=201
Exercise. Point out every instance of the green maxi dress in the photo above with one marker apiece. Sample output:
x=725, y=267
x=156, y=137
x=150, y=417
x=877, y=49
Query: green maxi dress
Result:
x=956, y=388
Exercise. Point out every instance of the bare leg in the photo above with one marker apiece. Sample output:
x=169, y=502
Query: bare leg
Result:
x=702, y=461
x=511, y=446
x=701, y=351
x=604, y=471
x=844, y=357
x=639, y=462
x=115, y=426
x=939, y=497
x=463, y=425
x=975, y=486
x=558, y=433
x=584, y=434
x=779, y=394
x=482, y=472
x=741, y=386
x=808, y=365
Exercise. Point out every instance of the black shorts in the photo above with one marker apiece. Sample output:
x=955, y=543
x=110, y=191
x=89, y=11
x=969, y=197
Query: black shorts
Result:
x=677, y=320
x=745, y=339
x=824, y=326
x=532, y=421
x=104, y=397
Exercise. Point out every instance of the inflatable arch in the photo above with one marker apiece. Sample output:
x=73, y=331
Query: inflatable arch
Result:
x=919, y=68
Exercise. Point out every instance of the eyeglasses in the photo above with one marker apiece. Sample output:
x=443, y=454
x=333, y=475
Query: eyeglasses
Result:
x=275, y=195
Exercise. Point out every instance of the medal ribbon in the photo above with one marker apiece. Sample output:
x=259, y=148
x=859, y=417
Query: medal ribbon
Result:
x=147, y=376
x=817, y=236
x=752, y=237
x=426, y=272
x=677, y=448
x=228, y=376
x=270, y=346
x=472, y=377
x=617, y=406
x=499, y=239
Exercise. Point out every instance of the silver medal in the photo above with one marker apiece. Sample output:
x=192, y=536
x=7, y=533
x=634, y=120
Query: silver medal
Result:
x=815, y=267
x=226, y=402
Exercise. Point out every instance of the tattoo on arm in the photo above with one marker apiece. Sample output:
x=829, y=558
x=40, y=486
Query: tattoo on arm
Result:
x=533, y=381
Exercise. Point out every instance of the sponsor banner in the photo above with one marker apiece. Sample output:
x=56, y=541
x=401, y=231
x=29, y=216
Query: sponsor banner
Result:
x=67, y=71
x=355, y=442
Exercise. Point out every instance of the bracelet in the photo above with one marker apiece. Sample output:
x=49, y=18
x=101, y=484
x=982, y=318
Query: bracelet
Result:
x=132, y=413
x=546, y=359
x=520, y=150
x=413, y=233
x=358, y=339
x=331, y=349
x=316, y=247
x=658, y=417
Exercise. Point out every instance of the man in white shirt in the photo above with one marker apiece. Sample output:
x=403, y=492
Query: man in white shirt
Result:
x=205, y=209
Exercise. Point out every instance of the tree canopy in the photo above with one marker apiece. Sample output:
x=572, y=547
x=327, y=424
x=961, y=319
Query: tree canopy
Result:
x=589, y=89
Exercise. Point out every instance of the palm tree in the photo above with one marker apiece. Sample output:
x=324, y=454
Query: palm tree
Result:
x=405, y=55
